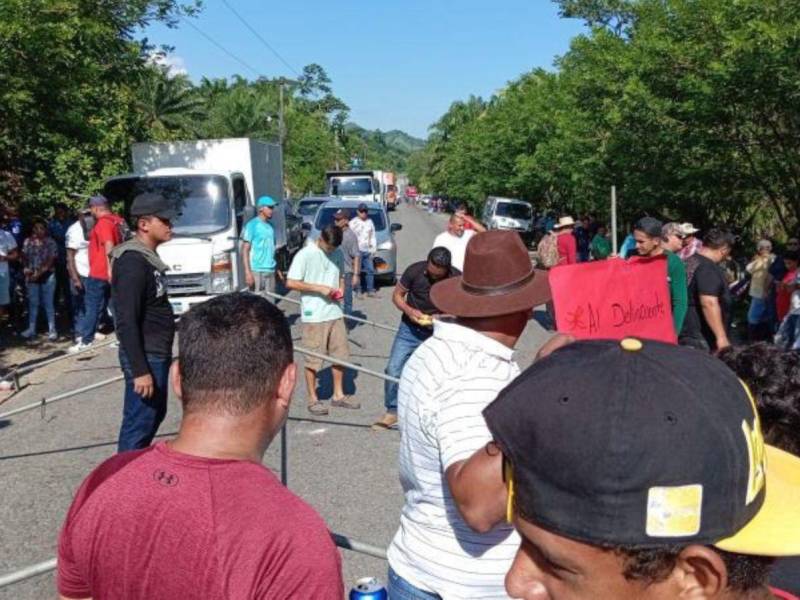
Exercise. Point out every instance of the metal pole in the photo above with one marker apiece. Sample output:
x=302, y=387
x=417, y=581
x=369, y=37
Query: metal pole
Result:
x=350, y=317
x=349, y=365
x=614, y=218
x=356, y=546
x=284, y=457
x=28, y=572
x=32, y=367
x=64, y=396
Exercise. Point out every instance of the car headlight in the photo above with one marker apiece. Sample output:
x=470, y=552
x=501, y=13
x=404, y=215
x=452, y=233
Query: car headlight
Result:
x=386, y=245
x=221, y=273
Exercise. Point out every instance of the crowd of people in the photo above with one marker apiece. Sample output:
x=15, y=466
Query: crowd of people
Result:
x=608, y=469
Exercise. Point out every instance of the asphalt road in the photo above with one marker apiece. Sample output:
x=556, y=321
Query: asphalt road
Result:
x=336, y=463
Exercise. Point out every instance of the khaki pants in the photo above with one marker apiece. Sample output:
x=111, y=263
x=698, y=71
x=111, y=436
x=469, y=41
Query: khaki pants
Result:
x=328, y=337
x=265, y=282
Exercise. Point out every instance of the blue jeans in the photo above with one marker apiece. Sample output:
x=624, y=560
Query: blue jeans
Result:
x=758, y=311
x=78, y=303
x=400, y=589
x=97, y=292
x=347, y=301
x=407, y=339
x=368, y=267
x=41, y=294
x=142, y=416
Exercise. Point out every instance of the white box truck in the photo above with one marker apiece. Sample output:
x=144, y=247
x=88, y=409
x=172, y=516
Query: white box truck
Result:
x=359, y=186
x=215, y=184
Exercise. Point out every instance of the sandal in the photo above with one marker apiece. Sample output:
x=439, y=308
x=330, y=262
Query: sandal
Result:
x=389, y=421
x=345, y=402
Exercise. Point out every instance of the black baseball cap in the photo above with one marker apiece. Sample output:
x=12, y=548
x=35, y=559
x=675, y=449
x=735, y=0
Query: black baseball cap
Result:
x=644, y=444
x=362, y=207
x=152, y=204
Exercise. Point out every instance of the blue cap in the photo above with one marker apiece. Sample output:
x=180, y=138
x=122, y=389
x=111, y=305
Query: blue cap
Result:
x=266, y=201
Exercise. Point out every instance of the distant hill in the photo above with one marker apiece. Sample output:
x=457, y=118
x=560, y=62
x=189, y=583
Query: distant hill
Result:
x=386, y=149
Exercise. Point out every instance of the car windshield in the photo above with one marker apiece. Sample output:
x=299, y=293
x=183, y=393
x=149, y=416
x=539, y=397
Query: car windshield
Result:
x=202, y=199
x=351, y=186
x=307, y=208
x=513, y=210
x=325, y=218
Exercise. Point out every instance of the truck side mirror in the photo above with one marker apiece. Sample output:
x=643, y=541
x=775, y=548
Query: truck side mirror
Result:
x=248, y=213
x=395, y=226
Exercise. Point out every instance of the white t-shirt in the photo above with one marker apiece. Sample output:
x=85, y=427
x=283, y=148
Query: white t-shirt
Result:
x=76, y=241
x=365, y=233
x=456, y=245
x=444, y=388
x=7, y=244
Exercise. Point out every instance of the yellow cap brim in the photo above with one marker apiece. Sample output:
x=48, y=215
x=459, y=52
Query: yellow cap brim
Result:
x=775, y=530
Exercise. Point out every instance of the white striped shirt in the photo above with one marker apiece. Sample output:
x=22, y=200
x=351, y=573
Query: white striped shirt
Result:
x=445, y=385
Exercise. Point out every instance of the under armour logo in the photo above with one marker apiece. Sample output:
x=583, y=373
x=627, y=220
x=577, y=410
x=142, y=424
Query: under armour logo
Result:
x=165, y=478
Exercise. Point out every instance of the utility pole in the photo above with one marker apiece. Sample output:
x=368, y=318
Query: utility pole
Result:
x=281, y=126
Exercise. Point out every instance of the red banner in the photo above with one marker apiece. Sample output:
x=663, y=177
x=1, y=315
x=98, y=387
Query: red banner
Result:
x=614, y=299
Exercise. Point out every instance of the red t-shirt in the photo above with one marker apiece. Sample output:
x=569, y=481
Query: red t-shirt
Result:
x=155, y=523
x=783, y=298
x=105, y=230
x=567, y=249
x=782, y=595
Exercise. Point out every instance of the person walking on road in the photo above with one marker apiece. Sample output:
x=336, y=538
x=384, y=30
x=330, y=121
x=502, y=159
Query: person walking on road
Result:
x=566, y=242
x=364, y=229
x=649, y=244
x=77, y=245
x=455, y=239
x=351, y=256
x=106, y=233
x=199, y=516
x=258, y=249
x=412, y=295
x=317, y=272
x=709, y=315
x=444, y=387
x=144, y=318
x=39, y=256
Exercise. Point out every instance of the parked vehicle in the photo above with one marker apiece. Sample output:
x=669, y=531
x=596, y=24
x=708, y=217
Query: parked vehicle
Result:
x=510, y=214
x=385, y=260
x=307, y=207
x=215, y=184
x=359, y=186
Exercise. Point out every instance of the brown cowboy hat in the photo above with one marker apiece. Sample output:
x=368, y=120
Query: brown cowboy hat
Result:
x=498, y=279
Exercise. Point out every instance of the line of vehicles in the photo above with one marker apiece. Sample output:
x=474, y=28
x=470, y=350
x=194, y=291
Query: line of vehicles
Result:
x=216, y=183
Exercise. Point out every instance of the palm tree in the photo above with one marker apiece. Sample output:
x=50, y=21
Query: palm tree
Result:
x=170, y=105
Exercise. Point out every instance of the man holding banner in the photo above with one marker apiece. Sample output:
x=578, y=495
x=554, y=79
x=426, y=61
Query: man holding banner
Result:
x=649, y=244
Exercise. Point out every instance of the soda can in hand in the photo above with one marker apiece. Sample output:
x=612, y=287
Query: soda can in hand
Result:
x=368, y=588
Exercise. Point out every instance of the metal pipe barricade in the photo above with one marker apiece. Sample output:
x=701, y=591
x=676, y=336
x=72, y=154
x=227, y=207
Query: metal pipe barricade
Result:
x=41, y=568
x=350, y=317
x=45, y=401
x=15, y=373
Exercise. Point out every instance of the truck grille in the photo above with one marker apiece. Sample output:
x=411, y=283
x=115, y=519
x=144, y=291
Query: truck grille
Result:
x=184, y=285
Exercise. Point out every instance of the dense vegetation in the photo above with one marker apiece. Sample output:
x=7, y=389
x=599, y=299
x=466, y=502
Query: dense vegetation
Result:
x=78, y=86
x=690, y=107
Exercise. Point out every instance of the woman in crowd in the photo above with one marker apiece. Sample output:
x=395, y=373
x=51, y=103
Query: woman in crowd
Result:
x=39, y=255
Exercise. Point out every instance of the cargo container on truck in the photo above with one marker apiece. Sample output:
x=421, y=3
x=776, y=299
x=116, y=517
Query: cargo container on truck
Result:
x=215, y=184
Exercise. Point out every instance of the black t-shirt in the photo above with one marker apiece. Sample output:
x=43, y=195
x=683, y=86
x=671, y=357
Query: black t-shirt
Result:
x=416, y=281
x=705, y=278
x=143, y=315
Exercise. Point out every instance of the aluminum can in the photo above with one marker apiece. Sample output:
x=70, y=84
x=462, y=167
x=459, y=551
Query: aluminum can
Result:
x=368, y=588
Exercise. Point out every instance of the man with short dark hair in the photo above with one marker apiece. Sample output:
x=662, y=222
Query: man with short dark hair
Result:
x=648, y=234
x=412, y=295
x=317, y=273
x=619, y=496
x=709, y=311
x=144, y=318
x=199, y=516
x=351, y=256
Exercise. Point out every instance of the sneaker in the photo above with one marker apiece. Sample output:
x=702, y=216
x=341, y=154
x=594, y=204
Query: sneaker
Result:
x=52, y=336
x=345, y=402
x=28, y=334
x=318, y=408
x=79, y=347
x=389, y=421
x=372, y=295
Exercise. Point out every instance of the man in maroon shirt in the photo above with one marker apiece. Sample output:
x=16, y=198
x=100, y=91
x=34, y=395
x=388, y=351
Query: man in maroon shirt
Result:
x=200, y=516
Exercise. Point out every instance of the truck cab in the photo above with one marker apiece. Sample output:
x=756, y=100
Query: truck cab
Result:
x=359, y=186
x=215, y=192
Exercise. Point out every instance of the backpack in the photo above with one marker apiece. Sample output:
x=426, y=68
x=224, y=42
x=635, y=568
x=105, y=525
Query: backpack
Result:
x=124, y=232
x=548, y=251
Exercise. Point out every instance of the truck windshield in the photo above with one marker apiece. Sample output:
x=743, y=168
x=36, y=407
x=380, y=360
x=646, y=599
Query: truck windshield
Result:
x=513, y=210
x=308, y=208
x=325, y=218
x=202, y=199
x=351, y=186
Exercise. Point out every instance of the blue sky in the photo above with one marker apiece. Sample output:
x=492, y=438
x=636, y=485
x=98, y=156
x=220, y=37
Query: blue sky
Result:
x=398, y=65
